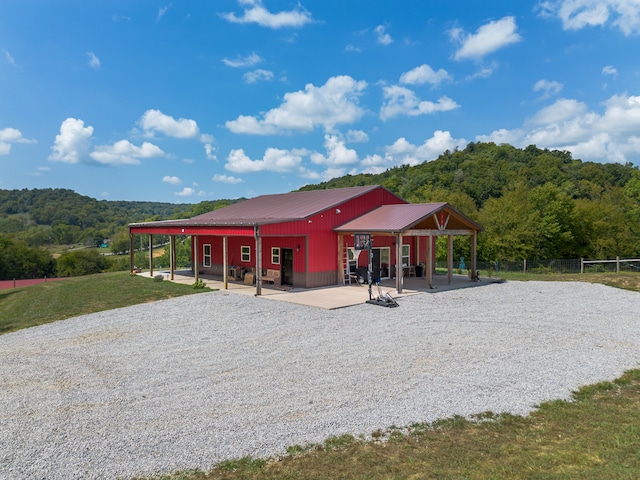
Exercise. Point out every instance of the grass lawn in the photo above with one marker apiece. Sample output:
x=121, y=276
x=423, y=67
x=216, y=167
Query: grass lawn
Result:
x=47, y=302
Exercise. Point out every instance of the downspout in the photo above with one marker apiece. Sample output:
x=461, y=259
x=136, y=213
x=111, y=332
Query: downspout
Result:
x=399, y=269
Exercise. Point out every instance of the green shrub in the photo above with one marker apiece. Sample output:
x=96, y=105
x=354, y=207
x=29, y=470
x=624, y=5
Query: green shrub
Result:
x=81, y=262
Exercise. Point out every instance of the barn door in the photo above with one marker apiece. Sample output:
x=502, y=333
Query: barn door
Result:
x=287, y=266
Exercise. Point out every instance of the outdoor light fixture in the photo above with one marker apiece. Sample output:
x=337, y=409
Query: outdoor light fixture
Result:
x=298, y=248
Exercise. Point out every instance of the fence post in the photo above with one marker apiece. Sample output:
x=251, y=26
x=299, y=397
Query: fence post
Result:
x=525, y=266
x=14, y=283
x=581, y=264
x=617, y=264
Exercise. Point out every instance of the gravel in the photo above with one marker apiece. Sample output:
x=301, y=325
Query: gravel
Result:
x=189, y=382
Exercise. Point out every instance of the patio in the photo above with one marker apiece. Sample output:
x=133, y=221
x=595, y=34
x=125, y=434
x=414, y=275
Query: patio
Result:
x=338, y=296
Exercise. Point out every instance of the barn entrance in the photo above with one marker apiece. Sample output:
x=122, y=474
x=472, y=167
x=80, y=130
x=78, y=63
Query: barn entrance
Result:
x=287, y=266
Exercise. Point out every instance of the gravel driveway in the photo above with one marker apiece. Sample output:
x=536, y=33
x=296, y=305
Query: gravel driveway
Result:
x=188, y=382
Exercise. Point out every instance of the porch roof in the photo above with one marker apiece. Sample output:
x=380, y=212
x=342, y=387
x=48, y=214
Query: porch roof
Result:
x=413, y=216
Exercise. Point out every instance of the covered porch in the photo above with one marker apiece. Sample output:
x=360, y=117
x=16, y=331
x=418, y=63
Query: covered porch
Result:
x=421, y=222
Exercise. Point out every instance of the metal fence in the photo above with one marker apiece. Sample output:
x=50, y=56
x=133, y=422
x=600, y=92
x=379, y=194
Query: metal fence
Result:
x=577, y=265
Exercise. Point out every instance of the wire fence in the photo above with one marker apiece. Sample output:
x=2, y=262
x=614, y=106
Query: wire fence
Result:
x=576, y=265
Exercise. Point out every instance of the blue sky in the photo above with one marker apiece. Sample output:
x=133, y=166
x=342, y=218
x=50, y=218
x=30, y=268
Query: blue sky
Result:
x=191, y=100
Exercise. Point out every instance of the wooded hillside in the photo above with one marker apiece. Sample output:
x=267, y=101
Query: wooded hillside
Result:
x=533, y=203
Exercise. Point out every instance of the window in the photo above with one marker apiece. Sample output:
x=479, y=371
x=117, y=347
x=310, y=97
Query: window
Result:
x=275, y=255
x=206, y=255
x=245, y=254
x=406, y=255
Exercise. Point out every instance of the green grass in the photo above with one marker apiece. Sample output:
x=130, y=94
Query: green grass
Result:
x=47, y=302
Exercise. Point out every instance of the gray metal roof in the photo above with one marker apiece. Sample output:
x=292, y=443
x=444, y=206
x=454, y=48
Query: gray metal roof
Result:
x=276, y=208
x=402, y=217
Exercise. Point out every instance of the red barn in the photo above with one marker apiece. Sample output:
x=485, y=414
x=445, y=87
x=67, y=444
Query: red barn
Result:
x=304, y=239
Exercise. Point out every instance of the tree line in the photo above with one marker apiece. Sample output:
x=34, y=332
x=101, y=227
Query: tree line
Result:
x=533, y=203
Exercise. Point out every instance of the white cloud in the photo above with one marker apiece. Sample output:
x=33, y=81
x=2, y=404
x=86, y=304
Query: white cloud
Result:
x=336, y=102
x=208, y=151
x=186, y=192
x=578, y=14
x=258, y=75
x=424, y=74
x=172, y=180
x=610, y=136
x=94, y=61
x=549, y=88
x=226, y=179
x=256, y=13
x=337, y=153
x=402, y=101
x=242, y=62
x=382, y=37
x=9, y=58
x=402, y=152
x=156, y=121
x=162, y=11
x=357, y=136
x=609, y=70
x=560, y=111
x=73, y=142
x=11, y=135
x=124, y=152
x=487, y=39
x=274, y=160
x=352, y=48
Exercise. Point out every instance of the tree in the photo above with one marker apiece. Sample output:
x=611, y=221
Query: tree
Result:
x=19, y=261
x=81, y=262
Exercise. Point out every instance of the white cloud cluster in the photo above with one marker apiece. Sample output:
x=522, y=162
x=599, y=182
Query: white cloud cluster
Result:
x=155, y=121
x=568, y=124
x=578, y=14
x=230, y=179
x=334, y=103
x=124, y=152
x=424, y=74
x=382, y=36
x=11, y=135
x=402, y=152
x=257, y=13
x=240, y=62
x=548, y=88
x=94, y=61
x=74, y=142
x=172, y=180
x=487, y=39
x=258, y=75
x=274, y=160
x=402, y=101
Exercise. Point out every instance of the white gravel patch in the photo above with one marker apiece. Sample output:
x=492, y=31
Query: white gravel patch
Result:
x=189, y=382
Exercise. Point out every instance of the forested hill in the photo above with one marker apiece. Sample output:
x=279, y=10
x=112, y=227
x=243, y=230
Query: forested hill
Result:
x=61, y=216
x=484, y=170
x=533, y=203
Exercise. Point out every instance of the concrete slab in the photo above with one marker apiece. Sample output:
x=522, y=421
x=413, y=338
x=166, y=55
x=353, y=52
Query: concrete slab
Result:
x=331, y=297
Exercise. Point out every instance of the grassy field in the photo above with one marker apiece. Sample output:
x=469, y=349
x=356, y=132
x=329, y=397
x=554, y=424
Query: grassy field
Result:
x=47, y=302
x=595, y=436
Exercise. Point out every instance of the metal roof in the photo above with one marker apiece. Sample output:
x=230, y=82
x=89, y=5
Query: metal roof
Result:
x=402, y=217
x=265, y=209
